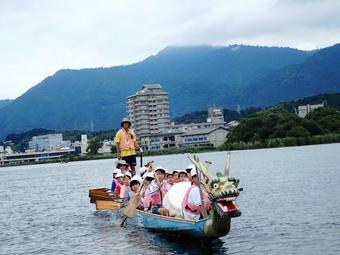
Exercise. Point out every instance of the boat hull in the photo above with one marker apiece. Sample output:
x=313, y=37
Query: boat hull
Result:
x=172, y=225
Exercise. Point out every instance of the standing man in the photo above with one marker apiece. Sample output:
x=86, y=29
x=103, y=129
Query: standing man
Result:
x=126, y=144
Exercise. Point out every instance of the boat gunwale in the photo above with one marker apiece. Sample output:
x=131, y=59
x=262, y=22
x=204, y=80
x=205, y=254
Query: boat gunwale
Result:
x=170, y=218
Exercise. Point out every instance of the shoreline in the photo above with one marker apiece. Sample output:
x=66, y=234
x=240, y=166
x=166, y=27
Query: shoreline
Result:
x=171, y=151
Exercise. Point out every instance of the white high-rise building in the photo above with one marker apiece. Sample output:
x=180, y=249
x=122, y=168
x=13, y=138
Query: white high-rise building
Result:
x=149, y=110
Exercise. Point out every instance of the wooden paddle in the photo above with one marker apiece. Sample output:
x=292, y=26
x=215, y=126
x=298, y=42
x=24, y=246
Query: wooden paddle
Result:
x=227, y=164
x=131, y=207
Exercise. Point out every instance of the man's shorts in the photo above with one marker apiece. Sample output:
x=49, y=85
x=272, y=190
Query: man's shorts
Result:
x=155, y=209
x=131, y=160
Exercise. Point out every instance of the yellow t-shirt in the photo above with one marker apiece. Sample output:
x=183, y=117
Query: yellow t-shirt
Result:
x=118, y=137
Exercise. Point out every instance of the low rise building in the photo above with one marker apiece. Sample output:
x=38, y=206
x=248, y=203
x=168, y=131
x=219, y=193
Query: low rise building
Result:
x=303, y=110
x=162, y=140
x=30, y=157
x=48, y=142
x=213, y=136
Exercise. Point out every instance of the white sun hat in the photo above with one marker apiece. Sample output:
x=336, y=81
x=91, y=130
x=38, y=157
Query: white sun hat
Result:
x=116, y=171
x=142, y=170
x=193, y=172
x=183, y=171
x=128, y=174
x=160, y=168
x=150, y=175
x=190, y=167
x=119, y=175
x=137, y=178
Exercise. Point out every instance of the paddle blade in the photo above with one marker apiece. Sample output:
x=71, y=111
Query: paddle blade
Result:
x=131, y=208
x=108, y=205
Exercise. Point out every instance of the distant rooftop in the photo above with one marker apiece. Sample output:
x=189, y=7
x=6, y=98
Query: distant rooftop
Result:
x=150, y=89
x=202, y=131
x=151, y=86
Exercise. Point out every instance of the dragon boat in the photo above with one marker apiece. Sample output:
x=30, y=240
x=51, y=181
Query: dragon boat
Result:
x=222, y=193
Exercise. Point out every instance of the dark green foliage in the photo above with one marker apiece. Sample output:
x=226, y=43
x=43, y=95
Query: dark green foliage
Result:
x=326, y=117
x=193, y=117
x=201, y=116
x=94, y=145
x=275, y=129
x=331, y=100
x=298, y=131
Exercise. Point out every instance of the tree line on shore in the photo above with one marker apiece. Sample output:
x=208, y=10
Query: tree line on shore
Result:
x=276, y=127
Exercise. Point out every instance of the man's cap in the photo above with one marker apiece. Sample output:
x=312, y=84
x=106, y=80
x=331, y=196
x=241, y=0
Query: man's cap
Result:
x=125, y=120
x=121, y=162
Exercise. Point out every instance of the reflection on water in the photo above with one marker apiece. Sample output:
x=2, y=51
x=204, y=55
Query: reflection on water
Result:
x=290, y=205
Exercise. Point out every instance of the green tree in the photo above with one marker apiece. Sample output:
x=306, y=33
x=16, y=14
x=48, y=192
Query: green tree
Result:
x=298, y=131
x=94, y=145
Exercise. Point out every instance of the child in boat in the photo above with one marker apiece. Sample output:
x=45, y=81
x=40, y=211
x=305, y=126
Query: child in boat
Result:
x=157, y=191
x=124, y=193
x=114, y=181
x=146, y=198
x=188, y=170
x=119, y=183
x=135, y=183
x=192, y=202
x=122, y=166
x=183, y=176
x=141, y=171
x=169, y=180
x=175, y=174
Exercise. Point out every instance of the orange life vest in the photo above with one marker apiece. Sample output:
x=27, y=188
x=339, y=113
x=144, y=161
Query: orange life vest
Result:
x=127, y=140
x=191, y=207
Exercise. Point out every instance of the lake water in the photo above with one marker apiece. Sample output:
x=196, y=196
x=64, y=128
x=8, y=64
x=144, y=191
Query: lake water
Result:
x=290, y=205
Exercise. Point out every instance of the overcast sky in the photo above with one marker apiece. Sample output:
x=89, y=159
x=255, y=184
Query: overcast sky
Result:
x=39, y=37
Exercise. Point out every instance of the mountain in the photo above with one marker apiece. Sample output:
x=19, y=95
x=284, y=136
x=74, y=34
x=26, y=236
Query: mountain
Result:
x=5, y=102
x=318, y=74
x=195, y=77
